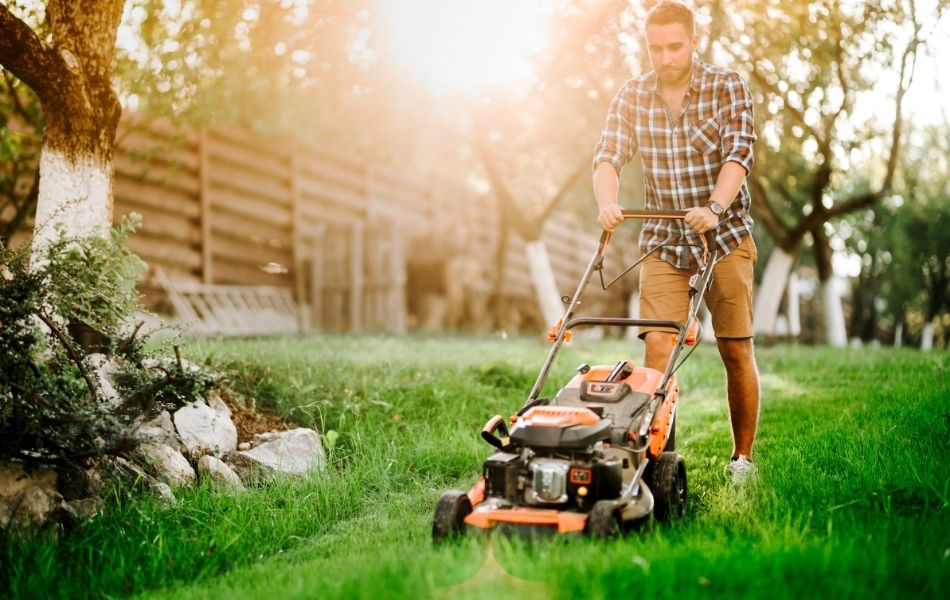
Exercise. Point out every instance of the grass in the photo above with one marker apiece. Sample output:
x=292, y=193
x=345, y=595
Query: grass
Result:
x=853, y=499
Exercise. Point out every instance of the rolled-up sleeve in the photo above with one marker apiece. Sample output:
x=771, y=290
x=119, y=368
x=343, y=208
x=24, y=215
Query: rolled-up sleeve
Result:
x=736, y=123
x=617, y=144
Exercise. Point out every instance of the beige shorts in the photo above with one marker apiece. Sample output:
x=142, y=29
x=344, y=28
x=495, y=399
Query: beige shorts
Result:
x=664, y=292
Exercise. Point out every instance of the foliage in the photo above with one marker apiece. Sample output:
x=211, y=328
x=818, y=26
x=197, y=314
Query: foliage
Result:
x=93, y=280
x=903, y=244
x=53, y=406
x=849, y=468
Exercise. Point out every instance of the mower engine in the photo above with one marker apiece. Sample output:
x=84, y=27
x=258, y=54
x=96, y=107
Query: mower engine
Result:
x=560, y=461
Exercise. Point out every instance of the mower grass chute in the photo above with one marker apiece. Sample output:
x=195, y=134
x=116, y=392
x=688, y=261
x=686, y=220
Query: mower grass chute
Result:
x=599, y=458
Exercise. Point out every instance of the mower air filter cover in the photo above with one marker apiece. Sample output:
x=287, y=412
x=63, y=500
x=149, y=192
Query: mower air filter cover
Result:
x=566, y=427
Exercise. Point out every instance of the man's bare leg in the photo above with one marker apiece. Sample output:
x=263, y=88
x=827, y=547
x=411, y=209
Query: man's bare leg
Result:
x=742, y=377
x=659, y=347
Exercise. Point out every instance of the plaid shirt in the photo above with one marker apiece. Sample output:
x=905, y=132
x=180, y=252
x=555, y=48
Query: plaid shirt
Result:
x=682, y=157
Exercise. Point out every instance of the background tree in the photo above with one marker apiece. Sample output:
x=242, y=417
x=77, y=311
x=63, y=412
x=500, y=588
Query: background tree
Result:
x=70, y=70
x=812, y=66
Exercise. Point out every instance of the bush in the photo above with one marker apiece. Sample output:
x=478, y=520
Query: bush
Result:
x=54, y=407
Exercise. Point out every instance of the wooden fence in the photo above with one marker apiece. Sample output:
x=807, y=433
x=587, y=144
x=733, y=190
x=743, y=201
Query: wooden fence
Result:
x=360, y=247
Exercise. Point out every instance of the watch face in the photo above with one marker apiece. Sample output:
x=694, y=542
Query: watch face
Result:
x=716, y=208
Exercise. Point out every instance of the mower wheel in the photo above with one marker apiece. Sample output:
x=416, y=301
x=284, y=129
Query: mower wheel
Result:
x=602, y=521
x=668, y=483
x=450, y=513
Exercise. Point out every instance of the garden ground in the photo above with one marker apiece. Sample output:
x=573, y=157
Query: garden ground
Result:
x=853, y=499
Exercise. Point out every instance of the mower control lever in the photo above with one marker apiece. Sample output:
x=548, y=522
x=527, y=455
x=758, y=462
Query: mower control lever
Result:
x=488, y=432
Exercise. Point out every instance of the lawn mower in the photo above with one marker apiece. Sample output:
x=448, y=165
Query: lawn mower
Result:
x=599, y=458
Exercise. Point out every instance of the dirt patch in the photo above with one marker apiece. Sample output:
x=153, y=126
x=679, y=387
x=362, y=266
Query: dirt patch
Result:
x=250, y=421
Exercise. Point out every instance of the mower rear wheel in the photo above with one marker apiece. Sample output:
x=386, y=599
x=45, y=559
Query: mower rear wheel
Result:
x=450, y=513
x=668, y=483
x=603, y=520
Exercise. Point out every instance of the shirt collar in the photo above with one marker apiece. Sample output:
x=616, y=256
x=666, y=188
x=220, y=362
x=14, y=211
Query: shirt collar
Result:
x=696, y=80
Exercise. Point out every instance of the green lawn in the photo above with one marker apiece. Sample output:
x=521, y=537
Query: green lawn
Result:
x=853, y=498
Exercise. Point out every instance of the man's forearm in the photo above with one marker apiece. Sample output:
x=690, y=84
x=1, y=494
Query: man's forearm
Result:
x=730, y=179
x=606, y=184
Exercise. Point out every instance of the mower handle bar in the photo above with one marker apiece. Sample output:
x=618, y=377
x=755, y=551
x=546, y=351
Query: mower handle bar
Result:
x=596, y=262
x=645, y=213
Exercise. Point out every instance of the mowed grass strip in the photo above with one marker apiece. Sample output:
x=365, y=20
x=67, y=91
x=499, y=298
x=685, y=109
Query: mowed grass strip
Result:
x=853, y=451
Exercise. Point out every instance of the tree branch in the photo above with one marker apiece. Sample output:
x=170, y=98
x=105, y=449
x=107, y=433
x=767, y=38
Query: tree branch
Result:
x=903, y=84
x=71, y=352
x=765, y=212
x=797, y=113
x=566, y=187
x=25, y=55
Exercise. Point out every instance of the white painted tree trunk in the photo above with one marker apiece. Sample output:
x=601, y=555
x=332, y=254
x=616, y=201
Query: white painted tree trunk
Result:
x=545, y=286
x=633, y=312
x=899, y=335
x=709, y=334
x=769, y=296
x=832, y=291
x=927, y=337
x=76, y=193
x=793, y=298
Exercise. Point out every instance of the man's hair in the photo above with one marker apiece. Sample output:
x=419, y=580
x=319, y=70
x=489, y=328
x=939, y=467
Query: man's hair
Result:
x=671, y=11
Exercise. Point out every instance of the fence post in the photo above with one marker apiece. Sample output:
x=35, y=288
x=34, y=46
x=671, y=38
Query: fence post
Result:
x=296, y=239
x=317, y=256
x=204, y=200
x=356, y=275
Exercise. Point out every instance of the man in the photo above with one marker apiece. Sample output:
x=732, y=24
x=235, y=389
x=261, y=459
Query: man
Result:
x=691, y=123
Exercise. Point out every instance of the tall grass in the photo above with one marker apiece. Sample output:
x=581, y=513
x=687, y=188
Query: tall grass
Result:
x=852, y=501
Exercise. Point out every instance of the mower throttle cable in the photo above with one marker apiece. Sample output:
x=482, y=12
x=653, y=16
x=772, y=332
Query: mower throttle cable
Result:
x=600, y=267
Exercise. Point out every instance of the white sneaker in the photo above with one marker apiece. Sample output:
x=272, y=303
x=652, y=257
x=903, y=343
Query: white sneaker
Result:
x=740, y=471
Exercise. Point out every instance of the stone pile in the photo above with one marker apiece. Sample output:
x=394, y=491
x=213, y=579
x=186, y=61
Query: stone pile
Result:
x=198, y=442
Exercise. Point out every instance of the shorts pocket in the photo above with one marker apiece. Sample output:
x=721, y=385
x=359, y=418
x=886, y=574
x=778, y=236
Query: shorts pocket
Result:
x=705, y=136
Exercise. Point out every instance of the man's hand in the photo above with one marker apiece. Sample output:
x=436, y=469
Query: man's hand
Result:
x=701, y=219
x=610, y=216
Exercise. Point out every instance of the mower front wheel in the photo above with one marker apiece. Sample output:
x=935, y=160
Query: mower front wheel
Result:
x=450, y=513
x=668, y=482
x=602, y=521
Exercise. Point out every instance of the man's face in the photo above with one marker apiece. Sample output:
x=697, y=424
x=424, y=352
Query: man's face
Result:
x=671, y=51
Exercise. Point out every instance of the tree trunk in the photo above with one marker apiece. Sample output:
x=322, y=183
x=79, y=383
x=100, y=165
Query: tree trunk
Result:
x=72, y=76
x=633, y=312
x=769, y=296
x=793, y=308
x=927, y=337
x=545, y=286
x=832, y=291
x=899, y=335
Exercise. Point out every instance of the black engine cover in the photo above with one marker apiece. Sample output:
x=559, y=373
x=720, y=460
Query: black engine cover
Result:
x=574, y=437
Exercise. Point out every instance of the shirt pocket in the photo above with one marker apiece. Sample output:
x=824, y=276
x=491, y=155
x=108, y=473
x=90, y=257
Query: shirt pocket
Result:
x=704, y=137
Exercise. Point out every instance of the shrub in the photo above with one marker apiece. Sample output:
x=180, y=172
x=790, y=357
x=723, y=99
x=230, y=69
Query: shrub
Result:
x=53, y=406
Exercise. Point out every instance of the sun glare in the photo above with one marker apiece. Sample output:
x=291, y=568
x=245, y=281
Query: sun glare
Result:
x=464, y=44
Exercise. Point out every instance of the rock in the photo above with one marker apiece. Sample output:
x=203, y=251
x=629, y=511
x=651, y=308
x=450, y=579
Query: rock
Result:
x=128, y=472
x=77, y=481
x=244, y=446
x=166, y=464
x=26, y=498
x=205, y=428
x=160, y=430
x=218, y=472
x=297, y=451
x=164, y=493
x=105, y=367
x=82, y=510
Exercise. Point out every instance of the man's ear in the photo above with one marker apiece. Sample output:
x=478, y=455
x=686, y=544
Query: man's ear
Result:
x=695, y=42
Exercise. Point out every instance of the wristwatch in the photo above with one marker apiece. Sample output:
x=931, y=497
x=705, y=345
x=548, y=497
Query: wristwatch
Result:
x=716, y=208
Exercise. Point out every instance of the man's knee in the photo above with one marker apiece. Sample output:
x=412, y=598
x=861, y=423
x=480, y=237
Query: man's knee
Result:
x=736, y=352
x=659, y=341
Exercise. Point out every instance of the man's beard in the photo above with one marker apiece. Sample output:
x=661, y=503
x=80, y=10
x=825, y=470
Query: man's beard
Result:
x=672, y=74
